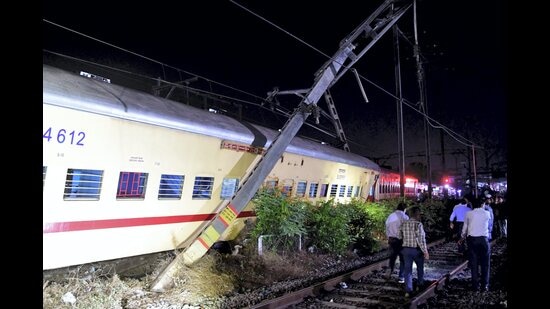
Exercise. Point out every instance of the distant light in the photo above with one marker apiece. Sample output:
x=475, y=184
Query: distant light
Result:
x=323, y=143
x=96, y=77
x=212, y=110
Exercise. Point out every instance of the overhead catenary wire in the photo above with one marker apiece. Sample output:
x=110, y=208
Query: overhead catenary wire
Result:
x=465, y=140
x=153, y=60
x=280, y=28
x=279, y=110
x=454, y=135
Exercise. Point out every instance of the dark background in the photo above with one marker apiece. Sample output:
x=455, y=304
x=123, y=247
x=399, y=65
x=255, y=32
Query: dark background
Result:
x=463, y=43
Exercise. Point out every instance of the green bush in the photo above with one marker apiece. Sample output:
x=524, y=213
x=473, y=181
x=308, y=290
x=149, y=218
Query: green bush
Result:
x=435, y=219
x=280, y=217
x=328, y=227
x=334, y=228
x=367, y=221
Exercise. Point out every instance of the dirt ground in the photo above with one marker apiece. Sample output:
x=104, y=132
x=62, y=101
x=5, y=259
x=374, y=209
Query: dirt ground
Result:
x=200, y=285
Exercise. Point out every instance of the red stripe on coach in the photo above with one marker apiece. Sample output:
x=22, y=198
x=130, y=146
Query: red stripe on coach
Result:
x=56, y=227
x=245, y=214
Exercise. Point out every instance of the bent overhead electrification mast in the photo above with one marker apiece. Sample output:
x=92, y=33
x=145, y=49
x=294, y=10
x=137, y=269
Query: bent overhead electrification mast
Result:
x=362, y=38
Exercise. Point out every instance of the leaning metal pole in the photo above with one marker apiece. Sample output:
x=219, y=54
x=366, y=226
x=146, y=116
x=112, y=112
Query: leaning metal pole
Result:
x=351, y=49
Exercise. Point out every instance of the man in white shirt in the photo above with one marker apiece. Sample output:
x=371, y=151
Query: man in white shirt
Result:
x=476, y=233
x=393, y=222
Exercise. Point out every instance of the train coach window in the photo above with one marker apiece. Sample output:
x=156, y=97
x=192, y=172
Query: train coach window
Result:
x=350, y=191
x=301, y=188
x=83, y=184
x=313, y=187
x=333, y=190
x=203, y=187
x=287, y=187
x=270, y=185
x=131, y=185
x=342, y=192
x=324, y=190
x=229, y=187
x=171, y=186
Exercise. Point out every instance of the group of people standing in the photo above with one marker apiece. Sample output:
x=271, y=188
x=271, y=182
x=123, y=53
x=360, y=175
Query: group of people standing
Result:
x=471, y=226
x=498, y=212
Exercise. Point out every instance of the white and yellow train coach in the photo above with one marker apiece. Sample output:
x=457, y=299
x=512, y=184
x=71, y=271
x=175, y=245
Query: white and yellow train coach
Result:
x=126, y=173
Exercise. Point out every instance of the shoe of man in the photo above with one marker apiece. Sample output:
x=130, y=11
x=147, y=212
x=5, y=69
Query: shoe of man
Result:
x=401, y=280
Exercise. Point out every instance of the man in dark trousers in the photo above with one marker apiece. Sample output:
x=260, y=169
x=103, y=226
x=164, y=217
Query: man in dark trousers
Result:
x=393, y=223
x=457, y=217
x=414, y=248
x=476, y=233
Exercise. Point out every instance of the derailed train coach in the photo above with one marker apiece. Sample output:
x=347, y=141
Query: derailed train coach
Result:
x=126, y=173
x=388, y=186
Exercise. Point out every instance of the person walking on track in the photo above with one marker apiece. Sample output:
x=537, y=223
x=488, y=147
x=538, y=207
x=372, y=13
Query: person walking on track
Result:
x=414, y=248
x=393, y=223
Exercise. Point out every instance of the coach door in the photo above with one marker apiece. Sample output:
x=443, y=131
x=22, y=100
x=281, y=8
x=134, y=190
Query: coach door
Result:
x=368, y=184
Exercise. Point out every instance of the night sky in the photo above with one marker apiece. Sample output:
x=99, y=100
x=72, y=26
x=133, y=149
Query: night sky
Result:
x=463, y=44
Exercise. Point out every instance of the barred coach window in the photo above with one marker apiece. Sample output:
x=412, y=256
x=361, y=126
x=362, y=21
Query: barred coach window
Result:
x=342, y=192
x=131, y=185
x=171, y=186
x=83, y=184
x=333, y=190
x=203, y=187
x=270, y=185
x=350, y=191
x=287, y=187
x=313, y=187
x=301, y=188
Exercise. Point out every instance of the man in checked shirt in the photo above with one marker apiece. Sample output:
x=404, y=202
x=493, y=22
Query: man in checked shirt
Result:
x=414, y=248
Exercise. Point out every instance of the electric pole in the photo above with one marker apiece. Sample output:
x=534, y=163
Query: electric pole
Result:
x=423, y=104
x=399, y=101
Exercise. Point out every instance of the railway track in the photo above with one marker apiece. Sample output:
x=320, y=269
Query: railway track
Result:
x=369, y=287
